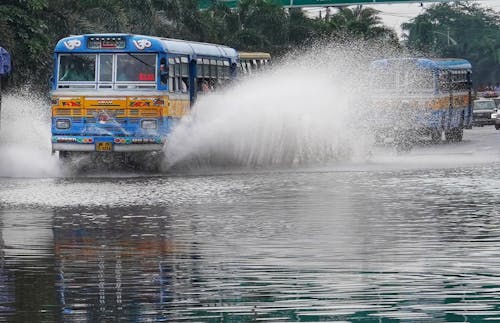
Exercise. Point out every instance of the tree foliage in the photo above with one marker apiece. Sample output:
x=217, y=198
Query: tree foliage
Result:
x=29, y=29
x=464, y=30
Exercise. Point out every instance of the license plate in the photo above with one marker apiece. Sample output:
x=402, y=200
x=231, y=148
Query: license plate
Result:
x=103, y=146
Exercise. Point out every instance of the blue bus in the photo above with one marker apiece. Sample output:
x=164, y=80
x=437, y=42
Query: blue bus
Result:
x=123, y=93
x=5, y=67
x=415, y=97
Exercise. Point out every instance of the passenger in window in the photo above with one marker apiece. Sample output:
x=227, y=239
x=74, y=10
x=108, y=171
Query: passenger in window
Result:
x=71, y=73
x=163, y=72
x=127, y=69
x=211, y=84
x=184, y=85
x=125, y=75
x=87, y=72
x=205, y=88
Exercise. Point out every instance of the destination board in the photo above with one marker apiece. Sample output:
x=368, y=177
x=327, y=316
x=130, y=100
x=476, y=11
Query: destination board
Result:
x=204, y=4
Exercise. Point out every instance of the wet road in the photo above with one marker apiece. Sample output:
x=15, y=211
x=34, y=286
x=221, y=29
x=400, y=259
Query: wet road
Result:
x=395, y=238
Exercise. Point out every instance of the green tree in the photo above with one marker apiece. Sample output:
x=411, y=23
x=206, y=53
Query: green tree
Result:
x=24, y=34
x=361, y=22
x=464, y=30
x=254, y=25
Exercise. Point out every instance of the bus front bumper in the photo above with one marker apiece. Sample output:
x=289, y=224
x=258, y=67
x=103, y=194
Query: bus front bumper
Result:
x=109, y=144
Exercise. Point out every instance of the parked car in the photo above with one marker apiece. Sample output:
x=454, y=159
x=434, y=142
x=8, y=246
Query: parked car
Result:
x=497, y=102
x=482, y=112
x=495, y=116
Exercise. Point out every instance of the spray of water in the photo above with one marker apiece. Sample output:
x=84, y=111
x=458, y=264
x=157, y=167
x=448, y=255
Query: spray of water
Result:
x=25, y=137
x=307, y=110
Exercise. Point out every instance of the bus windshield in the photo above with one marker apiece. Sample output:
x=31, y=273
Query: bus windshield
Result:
x=135, y=67
x=126, y=68
x=75, y=68
x=403, y=79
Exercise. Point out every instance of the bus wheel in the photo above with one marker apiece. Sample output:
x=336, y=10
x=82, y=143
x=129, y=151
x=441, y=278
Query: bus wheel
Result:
x=403, y=142
x=454, y=134
x=459, y=134
x=436, y=136
x=64, y=156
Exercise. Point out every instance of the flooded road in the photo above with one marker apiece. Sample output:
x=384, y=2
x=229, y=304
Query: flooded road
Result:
x=394, y=238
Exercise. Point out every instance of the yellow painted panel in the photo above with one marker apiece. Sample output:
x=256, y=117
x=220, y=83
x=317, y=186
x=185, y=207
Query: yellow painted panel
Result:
x=134, y=107
x=68, y=102
x=117, y=112
x=104, y=102
x=177, y=108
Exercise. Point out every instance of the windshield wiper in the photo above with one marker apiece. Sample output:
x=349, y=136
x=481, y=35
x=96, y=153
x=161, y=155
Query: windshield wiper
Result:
x=140, y=60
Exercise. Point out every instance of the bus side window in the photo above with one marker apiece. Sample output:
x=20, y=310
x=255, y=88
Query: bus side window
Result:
x=177, y=74
x=171, y=75
x=213, y=73
x=443, y=81
x=199, y=74
x=206, y=72
x=227, y=70
x=220, y=70
x=184, y=74
x=243, y=67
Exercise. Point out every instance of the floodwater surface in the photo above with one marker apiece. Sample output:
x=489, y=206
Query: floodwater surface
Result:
x=398, y=238
x=275, y=207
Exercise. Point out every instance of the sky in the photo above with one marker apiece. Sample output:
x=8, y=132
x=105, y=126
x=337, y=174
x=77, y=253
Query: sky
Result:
x=393, y=15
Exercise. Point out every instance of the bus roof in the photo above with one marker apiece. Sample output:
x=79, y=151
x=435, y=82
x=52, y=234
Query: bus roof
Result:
x=141, y=43
x=430, y=63
x=254, y=55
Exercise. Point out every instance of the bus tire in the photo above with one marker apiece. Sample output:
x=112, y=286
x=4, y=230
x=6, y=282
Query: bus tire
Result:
x=459, y=134
x=64, y=156
x=403, y=142
x=454, y=134
x=436, y=136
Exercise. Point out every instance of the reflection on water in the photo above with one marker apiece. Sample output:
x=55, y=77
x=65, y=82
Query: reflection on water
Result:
x=384, y=246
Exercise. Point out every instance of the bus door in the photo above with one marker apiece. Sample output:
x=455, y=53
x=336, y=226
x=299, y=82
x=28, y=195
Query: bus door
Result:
x=178, y=85
x=469, y=99
x=192, y=81
x=448, y=88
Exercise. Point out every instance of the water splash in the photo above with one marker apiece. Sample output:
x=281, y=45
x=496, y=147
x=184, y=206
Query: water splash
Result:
x=304, y=111
x=25, y=137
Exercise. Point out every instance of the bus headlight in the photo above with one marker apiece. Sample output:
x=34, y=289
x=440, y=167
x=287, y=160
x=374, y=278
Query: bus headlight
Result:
x=63, y=124
x=149, y=124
